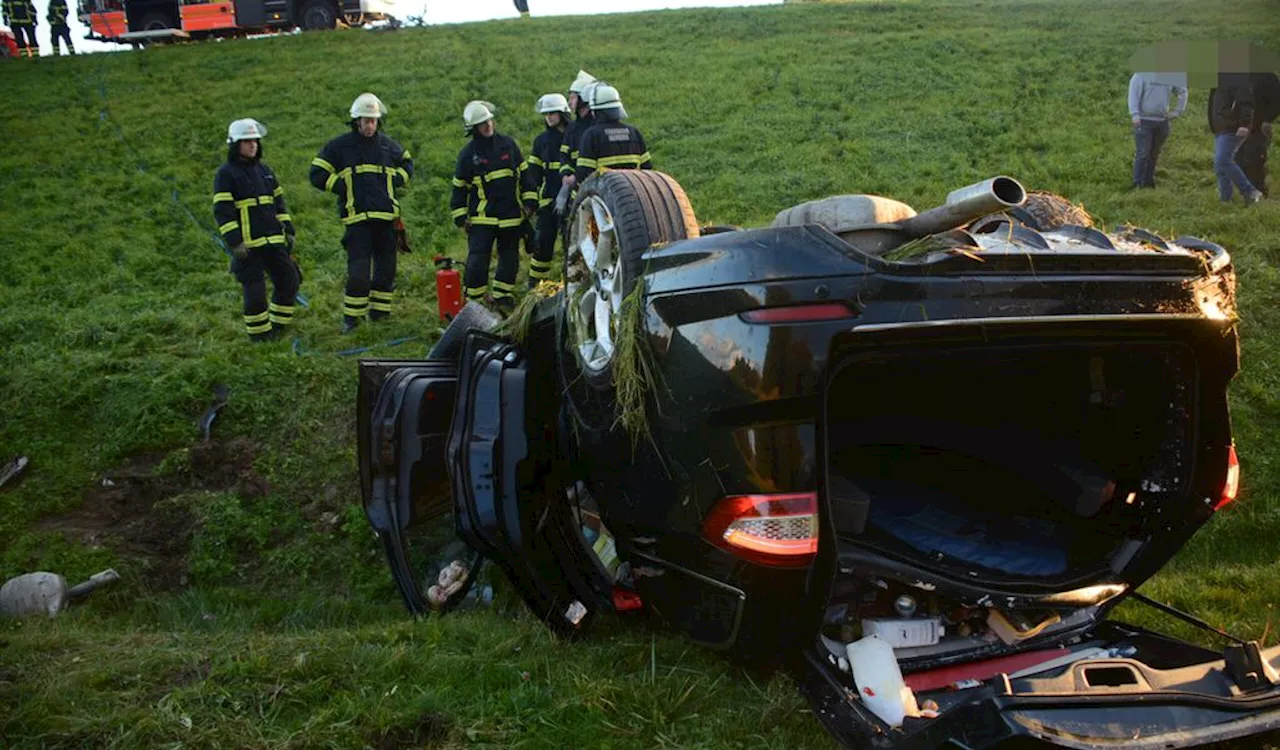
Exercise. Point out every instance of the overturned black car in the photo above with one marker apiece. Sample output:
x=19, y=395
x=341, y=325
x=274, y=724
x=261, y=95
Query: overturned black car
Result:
x=919, y=456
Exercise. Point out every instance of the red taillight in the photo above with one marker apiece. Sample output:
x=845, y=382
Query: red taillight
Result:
x=800, y=313
x=1231, y=486
x=769, y=529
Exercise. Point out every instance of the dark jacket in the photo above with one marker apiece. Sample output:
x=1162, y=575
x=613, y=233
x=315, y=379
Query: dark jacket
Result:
x=544, y=165
x=490, y=182
x=57, y=15
x=19, y=12
x=1231, y=103
x=1266, y=98
x=611, y=144
x=569, y=146
x=248, y=203
x=365, y=174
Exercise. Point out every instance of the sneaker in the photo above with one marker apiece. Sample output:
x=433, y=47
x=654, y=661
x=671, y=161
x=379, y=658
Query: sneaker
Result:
x=1253, y=198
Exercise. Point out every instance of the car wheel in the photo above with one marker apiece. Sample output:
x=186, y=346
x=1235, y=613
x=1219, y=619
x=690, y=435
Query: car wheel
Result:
x=319, y=14
x=617, y=217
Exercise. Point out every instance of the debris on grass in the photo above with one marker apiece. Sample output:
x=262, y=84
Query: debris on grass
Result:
x=46, y=593
x=13, y=469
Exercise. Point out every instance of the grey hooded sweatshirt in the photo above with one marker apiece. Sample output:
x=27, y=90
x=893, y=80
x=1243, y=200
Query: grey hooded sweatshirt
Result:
x=1151, y=93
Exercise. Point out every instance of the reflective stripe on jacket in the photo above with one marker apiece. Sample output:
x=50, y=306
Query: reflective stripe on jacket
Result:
x=365, y=175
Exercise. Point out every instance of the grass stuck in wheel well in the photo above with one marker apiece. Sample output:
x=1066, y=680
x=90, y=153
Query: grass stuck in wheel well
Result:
x=635, y=373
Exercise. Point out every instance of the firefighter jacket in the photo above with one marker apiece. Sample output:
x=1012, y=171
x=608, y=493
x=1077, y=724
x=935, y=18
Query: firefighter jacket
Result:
x=569, y=146
x=544, y=165
x=611, y=145
x=248, y=204
x=490, y=182
x=19, y=12
x=57, y=15
x=364, y=173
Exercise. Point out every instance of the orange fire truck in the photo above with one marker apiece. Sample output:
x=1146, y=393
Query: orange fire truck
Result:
x=142, y=21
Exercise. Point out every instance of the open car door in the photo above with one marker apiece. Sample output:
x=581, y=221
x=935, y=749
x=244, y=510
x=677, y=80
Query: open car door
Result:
x=462, y=458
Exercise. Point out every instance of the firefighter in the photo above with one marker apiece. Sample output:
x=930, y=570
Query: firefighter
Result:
x=490, y=185
x=581, y=108
x=364, y=169
x=248, y=204
x=610, y=143
x=58, y=28
x=544, y=174
x=20, y=15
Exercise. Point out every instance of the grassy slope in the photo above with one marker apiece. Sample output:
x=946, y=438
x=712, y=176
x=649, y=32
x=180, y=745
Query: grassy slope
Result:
x=118, y=318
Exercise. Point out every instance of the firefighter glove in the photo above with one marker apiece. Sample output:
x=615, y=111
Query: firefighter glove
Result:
x=240, y=251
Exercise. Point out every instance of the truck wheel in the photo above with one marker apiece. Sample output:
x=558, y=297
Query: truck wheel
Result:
x=319, y=14
x=156, y=21
x=617, y=217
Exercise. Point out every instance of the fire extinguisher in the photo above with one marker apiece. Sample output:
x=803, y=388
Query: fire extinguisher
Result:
x=448, y=288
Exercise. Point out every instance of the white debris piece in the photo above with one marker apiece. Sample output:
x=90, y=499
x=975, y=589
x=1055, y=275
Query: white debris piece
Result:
x=879, y=681
x=46, y=592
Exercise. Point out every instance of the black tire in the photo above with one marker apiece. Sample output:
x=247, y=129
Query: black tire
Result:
x=472, y=316
x=647, y=208
x=156, y=21
x=317, y=15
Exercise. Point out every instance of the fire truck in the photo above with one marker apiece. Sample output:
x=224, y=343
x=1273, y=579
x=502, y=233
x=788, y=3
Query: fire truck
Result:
x=143, y=21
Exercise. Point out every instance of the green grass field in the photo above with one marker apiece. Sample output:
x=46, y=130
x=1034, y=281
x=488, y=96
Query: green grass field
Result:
x=255, y=610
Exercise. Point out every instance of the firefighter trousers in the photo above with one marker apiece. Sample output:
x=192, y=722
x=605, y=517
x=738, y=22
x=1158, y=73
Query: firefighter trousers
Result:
x=261, y=319
x=29, y=42
x=545, y=232
x=63, y=33
x=480, y=241
x=370, y=244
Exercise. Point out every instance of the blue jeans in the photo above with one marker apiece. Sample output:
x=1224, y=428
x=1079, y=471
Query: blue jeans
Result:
x=1148, y=137
x=1225, y=146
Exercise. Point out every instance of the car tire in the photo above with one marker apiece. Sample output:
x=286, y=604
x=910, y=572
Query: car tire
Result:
x=644, y=208
x=473, y=316
x=319, y=14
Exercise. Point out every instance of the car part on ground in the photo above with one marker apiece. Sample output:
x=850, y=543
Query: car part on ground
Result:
x=13, y=469
x=970, y=445
x=47, y=593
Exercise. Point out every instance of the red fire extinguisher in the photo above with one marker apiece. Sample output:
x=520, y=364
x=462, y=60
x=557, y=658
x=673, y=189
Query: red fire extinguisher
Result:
x=448, y=288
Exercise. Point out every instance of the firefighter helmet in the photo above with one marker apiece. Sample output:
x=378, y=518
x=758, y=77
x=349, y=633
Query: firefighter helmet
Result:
x=368, y=105
x=548, y=103
x=581, y=82
x=604, y=96
x=247, y=129
x=475, y=113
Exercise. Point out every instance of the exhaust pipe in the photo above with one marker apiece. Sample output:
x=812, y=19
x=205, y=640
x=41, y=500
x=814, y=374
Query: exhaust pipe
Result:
x=965, y=205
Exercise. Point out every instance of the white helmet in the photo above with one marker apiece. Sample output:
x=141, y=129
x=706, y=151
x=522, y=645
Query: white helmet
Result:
x=548, y=103
x=604, y=96
x=476, y=112
x=247, y=129
x=368, y=105
x=580, y=82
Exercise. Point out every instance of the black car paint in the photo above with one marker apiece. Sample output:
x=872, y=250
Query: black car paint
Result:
x=736, y=390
